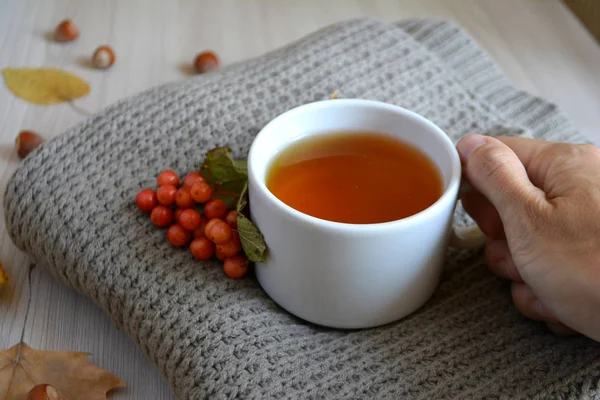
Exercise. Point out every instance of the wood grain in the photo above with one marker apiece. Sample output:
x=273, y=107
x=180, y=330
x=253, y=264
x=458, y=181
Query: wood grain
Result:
x=541, y=46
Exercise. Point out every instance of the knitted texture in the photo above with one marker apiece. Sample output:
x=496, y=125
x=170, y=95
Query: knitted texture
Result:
x=71, y=206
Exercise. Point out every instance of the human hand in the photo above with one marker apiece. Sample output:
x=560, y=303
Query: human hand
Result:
x=538, y=203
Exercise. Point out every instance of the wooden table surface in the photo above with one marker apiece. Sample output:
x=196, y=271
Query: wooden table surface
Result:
x=540, y=45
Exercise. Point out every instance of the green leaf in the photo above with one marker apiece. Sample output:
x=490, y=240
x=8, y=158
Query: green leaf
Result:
x=227, y=176
x=243, y=200
x=253, y=242
x=241, y=165
x=229, y=192
x=219, y=166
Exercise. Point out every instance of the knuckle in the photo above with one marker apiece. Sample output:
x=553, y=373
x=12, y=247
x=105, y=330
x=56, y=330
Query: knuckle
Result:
x=573, y=153
x=496, y=166
x=491, y=161
x=558, y=150
x=590, y=150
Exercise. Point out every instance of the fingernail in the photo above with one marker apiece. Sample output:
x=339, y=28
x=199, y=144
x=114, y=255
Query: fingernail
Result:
x=467, y=145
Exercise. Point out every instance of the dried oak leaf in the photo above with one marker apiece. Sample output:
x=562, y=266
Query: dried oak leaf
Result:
x=67, y=371
x=44, y=85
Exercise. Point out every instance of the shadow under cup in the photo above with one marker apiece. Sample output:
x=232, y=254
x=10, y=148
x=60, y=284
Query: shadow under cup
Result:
x=351, y=275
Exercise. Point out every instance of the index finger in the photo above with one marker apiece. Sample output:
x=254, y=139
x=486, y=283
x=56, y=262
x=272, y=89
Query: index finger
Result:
x=526, y=149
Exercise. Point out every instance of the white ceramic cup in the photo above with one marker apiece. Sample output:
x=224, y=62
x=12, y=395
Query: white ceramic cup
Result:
x=352, y=275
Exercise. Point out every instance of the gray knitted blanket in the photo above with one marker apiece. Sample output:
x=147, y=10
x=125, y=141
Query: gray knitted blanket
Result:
x=71, y=205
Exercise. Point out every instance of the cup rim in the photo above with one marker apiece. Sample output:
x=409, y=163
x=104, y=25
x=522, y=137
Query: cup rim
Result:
x=452, y=187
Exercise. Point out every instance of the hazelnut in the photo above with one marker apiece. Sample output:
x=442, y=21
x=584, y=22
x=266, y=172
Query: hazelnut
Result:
x=44, y=392
x=206, y=62
x=66, y=31
x=26, y=142
x=103, y=57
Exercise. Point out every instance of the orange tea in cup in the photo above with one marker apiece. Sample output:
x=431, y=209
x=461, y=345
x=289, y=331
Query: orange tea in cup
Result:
x=354, y=177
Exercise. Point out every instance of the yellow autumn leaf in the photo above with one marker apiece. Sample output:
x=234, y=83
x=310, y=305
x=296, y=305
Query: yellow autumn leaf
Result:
x=3, y=276
x=44, y=85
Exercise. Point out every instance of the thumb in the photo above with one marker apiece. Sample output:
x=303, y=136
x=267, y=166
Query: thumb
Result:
x=493, y=169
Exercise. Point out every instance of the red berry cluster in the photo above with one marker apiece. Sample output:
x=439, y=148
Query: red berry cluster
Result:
x=212, y=234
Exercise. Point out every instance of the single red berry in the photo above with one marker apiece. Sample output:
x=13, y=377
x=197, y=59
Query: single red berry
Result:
x=201, y=192
x=184, y=199
x=235, y=267
x=191, y=178
x=190, y=219
x=231, y=248
x=146, y=200
x=167, y=177
x=178, y=236
x=231, y=219
x=161, y=216
x=202, y=248
x=219, y=232
x=215, y=208
x=209, y=224
x=166, y=195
